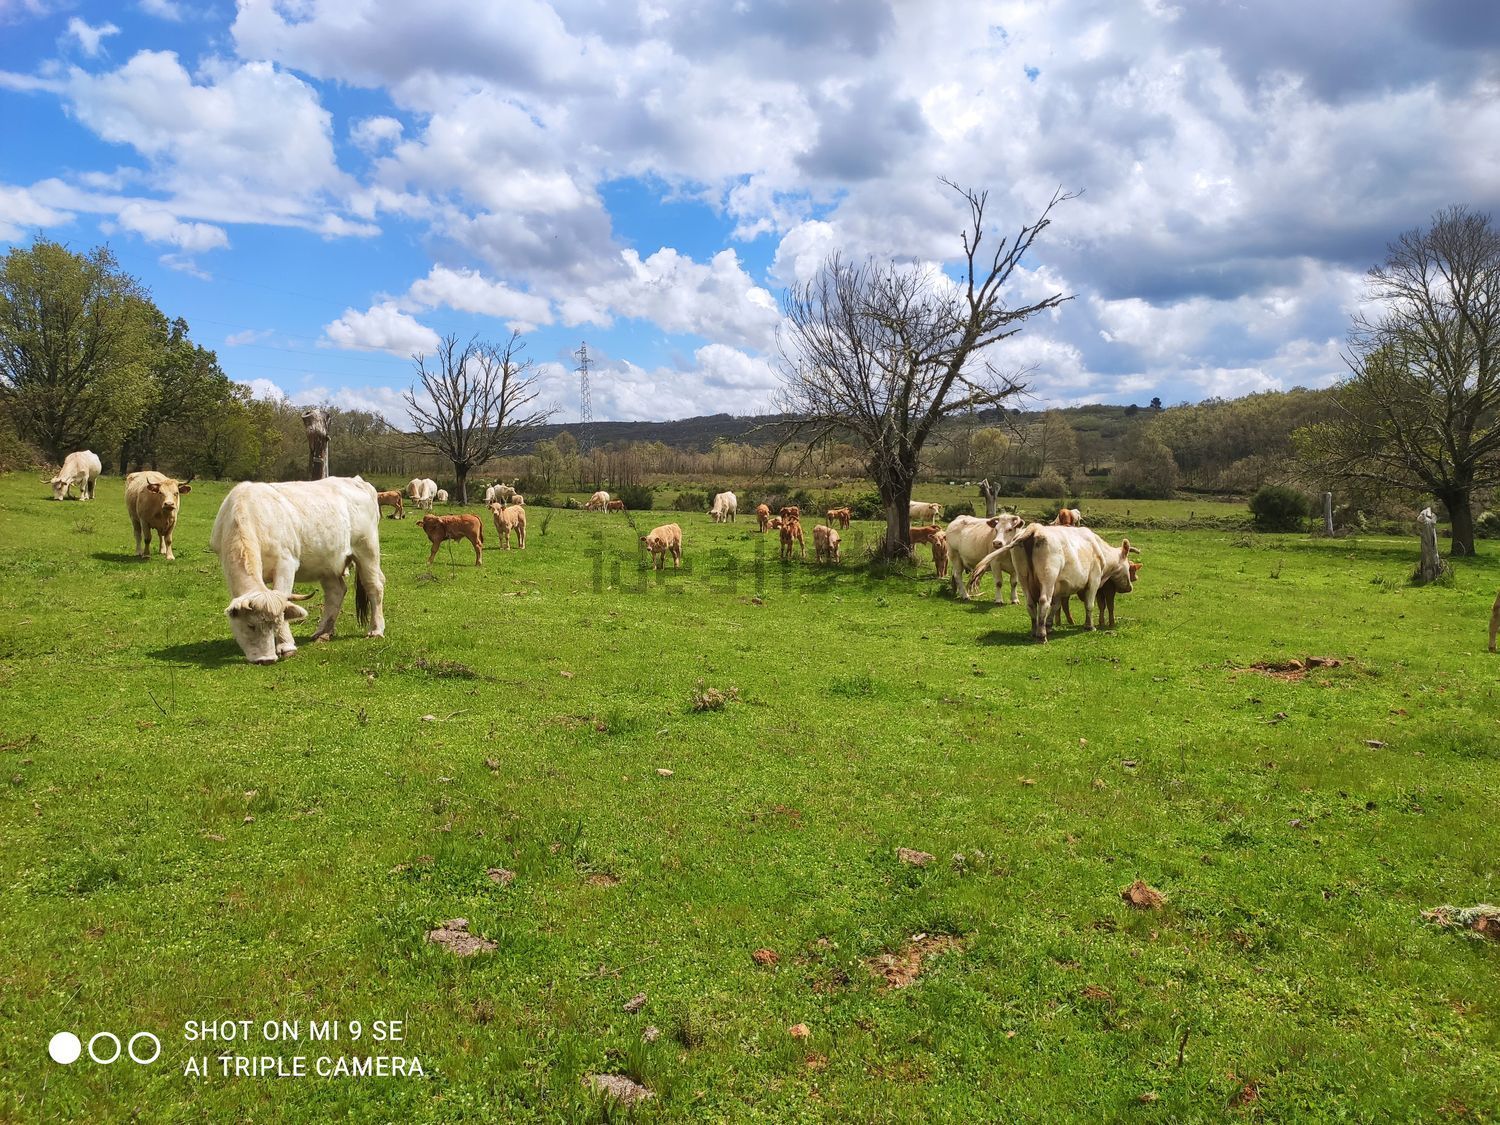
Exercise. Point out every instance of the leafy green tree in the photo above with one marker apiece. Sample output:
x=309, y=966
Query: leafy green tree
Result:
x=75, y=347
x=1420, y=409
x=1146, y=469
x=186, y=382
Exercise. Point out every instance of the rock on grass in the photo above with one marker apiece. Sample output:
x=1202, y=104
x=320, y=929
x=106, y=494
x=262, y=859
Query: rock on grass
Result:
x=914, y=858
x=1143, y=897
x=453, y=935
x=624, y=1090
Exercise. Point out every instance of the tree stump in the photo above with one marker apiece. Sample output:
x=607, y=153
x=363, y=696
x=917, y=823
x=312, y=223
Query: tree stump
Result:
x=987, y=490
x=1328, y=514
x=316, y=424
x=1494, y=622
x=1431, y=566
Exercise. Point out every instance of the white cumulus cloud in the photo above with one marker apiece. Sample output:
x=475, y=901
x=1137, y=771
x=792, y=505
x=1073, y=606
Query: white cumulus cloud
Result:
x=382, y=327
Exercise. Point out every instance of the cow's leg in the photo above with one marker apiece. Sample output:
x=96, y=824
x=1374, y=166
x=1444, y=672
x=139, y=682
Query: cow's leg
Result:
x=1090, y=595
x=433, y=554
x=956, y=575
x=136, y=524
x=1040, y=614
x=166, y=542
x=334, y=589
x=478, y=552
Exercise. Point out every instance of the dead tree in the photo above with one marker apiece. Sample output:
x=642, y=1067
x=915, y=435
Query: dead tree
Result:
x=987, y=490
x=315, y=421
x=1494, y=622
x=885, y=351
x=1431, y=566
x=473, y=403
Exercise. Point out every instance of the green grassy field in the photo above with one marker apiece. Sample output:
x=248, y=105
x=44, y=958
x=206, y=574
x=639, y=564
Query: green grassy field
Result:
x=188, y=837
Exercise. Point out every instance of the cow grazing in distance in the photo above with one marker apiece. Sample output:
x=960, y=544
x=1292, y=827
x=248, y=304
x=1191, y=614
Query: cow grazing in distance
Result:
x=1068, y=517
x=840, y=516
x=1052, y=562
x=825, y=544
x=598, y=502
x=615, y=506
x=440, y=529
x=392, y=499
x=508, y=518
x=442, y=496
x=269, y=536
x=79, y=470
x=499, y=493
x=921, y=512
x=791, y=511
x=664, y=540
x=422, y=491
x=970, y=540
x=153, y=500
x=791, y=531
x=940, y=554
x=724, y=507
x=763, y=514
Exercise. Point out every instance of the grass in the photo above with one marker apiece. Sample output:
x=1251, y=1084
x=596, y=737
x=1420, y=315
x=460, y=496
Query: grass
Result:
x=189, y=837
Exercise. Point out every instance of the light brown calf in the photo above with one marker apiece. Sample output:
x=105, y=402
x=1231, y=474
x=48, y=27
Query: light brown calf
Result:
x=825, y=544
x=391, y=499
x=615, y=506
x=940, y=554
x=1106, y=598
x=508, y=518
x=153, y=501
x=440, y=529
x=774, y=523
x=664, y=540
x=763, y=514
x=791, y=510
x=791, y=530
x=925, y=534
x=840, y=516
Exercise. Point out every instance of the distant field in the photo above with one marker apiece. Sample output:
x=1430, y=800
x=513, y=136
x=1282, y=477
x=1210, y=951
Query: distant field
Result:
x=184, y=836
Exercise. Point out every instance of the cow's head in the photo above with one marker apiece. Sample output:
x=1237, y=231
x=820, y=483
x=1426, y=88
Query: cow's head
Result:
x=1123, y=571
x=59, y=486
x=430, y=524
x=1005, y=527
x=168, y=490
x=254, y=620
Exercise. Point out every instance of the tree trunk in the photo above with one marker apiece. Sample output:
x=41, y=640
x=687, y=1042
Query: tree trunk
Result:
x=1328, y=514
x=316, y=423
x=1461, y=514
x=896, y=496
x=987, y=490
x=460, y=484
x=1431, y=565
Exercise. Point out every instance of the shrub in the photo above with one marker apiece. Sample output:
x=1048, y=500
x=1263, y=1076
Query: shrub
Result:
x=866, y=506
x=637, y=497
x=1487, y=526
x=1277, y=507
x=541, y=500
x=962, y=508
x=1050, y=484
x=690, y=502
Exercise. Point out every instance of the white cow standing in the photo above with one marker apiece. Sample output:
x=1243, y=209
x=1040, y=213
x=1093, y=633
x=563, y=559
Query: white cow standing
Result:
x=498, y=493
x=598, y=502
x=1054, y=562
x=79, y=470
x=270, y=536
x=971, y=543
x=919, y=511
x=422, y=491
x=723, y=508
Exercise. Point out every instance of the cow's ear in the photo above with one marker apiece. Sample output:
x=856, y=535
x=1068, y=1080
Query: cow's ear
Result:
x=294, y=612
x=184, y=488
x=993, y=521
x=153, y=487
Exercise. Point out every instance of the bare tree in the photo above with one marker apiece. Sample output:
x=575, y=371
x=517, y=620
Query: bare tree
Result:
x=478, y=399
x=315, y=421
x=1420, y=410
x=885, y=352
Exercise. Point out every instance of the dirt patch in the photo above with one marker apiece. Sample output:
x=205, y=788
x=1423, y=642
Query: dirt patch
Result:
x=1295, y=668
x=624, y=1090
x=1143, y=897
x=914, y=858
x=602, y=879
x=902, y=968
x=453, y=935
x=1482, y=921
x=765, y=956
x=500, y=876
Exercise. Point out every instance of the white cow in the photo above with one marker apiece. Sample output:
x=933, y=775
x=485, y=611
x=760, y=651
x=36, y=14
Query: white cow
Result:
x=269, y=536
x=422, y=491
x=153, y=501
x=598, y=502
x=972, y=541
x=922, y=512
x=1054, y=562
x=80, y=470
x=442, y=496
x=498, y=494
x=724, y=507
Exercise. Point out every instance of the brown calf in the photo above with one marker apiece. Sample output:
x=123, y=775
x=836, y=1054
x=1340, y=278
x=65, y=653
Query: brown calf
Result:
x=440, y=529
x=391, y=499
x=792, y=511
x=615, y=506
x=508, y=518
x=939, y=553
x=1068, y=517
x=925, y=534
x=840, y=516
x=664, y=540
x=825, y=544
x=763, y=514
x=791, y=529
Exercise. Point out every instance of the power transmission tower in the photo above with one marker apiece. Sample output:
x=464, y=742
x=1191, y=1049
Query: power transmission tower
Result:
x=585, y=400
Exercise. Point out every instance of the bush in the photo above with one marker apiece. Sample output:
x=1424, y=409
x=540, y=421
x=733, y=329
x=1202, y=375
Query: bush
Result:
x=637, y=497
x=1487, y=526
x=1049, y=484
x=866, y=506
x=541, y=500
x=690, y=502
x=1277, y=507
x=953, y=511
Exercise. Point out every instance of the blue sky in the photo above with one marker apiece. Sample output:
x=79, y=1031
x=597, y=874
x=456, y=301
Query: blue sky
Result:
x=323, y=187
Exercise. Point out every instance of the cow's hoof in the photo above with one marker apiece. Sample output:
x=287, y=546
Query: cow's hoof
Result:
x=376, y=633
x=321, y=637
x=263, y=663
x=283, y=653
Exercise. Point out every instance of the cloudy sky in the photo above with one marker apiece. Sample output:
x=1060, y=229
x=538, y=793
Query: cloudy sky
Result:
x=323, y=187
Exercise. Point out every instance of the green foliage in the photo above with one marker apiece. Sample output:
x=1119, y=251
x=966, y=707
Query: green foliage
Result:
x=1049, y=484
x=637, y=497
x=865, y=506
x=1276, y=507
x=690, y=501
x=1147, y=471
x=961, y=508
x=1487, y=526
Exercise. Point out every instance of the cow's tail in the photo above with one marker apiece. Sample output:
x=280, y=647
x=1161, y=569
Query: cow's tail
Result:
x=1027, y=542
x=361, y=592
x=481, y=533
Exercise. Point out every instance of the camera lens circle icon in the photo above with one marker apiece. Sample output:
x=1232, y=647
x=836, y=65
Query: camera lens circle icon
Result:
x=113, y=1038
x=64, y=1047
x=155, y=1043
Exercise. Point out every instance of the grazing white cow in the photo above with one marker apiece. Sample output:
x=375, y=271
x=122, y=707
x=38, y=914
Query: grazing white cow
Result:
x=598, y=502
x=971, y=540
x=923, y=512
x=724, y=507
x=79, y=470
x=498, y=493
x=1053, y=562
x=422, y=491
x=442, y=496
x=153, y=500
x=269, y=536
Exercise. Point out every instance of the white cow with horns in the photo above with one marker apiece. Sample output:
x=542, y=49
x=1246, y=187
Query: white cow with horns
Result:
x=269, y=536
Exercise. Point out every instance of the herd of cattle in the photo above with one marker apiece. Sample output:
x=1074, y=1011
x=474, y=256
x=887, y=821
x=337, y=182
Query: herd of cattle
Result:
x=268, y=537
